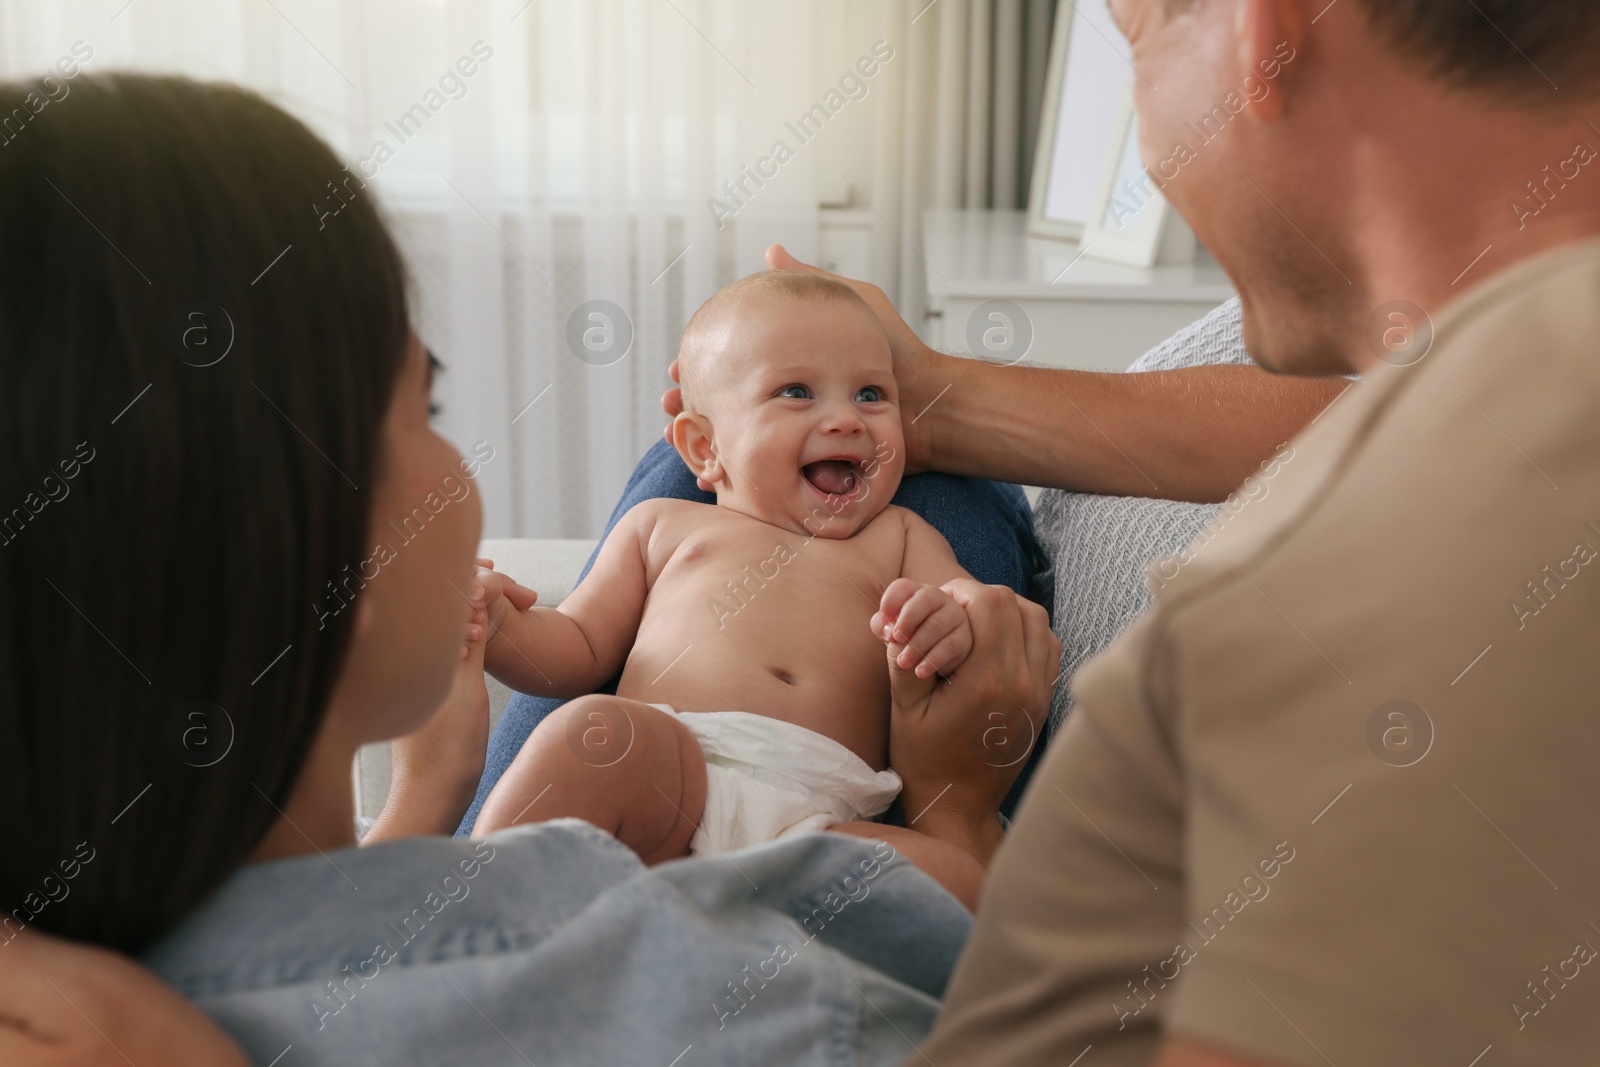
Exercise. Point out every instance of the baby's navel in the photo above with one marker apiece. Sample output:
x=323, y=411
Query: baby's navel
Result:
x=782, y=675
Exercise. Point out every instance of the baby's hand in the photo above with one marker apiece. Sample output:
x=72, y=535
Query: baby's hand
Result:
x=493, y=596
x=927, y=621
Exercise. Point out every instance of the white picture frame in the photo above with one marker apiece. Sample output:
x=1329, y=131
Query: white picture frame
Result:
x=1089, y=74
x=1129, y=221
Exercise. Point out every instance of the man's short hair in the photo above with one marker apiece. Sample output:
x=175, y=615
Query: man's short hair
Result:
x=1527, y=48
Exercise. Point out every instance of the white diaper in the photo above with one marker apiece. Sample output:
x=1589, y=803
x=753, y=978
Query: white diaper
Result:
x=766, y=778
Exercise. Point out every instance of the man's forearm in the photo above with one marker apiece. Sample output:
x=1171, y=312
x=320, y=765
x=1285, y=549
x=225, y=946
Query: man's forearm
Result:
x=1192, y=434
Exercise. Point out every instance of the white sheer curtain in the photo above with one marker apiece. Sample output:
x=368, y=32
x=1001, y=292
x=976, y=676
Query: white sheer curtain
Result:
x=602, y=150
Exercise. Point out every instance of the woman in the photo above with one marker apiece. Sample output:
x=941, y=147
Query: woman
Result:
x=218, y=419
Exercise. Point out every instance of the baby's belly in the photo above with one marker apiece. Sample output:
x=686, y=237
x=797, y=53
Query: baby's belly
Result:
x=799, y=658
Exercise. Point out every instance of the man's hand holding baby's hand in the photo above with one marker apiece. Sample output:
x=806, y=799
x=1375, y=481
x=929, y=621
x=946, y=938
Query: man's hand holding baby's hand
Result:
x=927, y=621
x=959, y=747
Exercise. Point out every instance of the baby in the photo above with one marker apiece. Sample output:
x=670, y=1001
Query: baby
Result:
x=754, y=698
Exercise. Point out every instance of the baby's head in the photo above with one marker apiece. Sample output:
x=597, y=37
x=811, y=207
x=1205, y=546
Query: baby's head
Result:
x=790, y=404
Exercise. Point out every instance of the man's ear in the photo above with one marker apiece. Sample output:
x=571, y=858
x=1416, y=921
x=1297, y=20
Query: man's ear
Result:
x=691, y=436
x=1269, y=36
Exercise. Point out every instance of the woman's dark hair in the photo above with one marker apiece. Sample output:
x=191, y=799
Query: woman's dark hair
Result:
x=197, y=354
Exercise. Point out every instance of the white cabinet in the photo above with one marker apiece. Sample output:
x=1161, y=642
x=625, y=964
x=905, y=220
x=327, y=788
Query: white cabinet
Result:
x=844, y=241
x=1081, y=313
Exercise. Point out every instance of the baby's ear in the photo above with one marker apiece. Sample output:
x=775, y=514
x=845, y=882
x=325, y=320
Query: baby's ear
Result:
x=691, y=436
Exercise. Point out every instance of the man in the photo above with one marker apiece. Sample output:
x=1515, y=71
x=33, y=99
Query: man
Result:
x=1332, y=801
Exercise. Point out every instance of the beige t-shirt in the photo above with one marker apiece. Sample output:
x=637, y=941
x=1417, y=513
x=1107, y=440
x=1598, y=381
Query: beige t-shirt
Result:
x=1336, y=799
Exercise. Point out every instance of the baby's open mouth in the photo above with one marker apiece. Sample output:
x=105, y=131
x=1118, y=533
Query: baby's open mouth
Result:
x=833, y=477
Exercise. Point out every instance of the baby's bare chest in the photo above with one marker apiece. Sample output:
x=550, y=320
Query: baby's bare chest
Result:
x=745, y=616
x=743, y=583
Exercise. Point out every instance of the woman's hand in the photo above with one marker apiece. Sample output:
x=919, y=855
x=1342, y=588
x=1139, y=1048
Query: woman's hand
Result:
x=916, y=366
x=435, y=770
x=959, y=745
x=68, y=1005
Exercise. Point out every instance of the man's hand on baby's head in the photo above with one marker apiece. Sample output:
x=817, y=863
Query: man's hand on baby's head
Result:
x=924, y=626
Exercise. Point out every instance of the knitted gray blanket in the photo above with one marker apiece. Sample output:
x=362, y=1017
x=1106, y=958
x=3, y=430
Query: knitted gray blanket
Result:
x=1101, y=545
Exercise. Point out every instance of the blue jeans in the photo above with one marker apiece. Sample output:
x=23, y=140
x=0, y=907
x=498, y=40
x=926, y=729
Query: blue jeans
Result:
x=988, y=524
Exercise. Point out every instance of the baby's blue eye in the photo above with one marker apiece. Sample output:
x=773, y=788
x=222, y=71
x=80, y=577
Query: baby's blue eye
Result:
x=869, y=394
x=796, y=392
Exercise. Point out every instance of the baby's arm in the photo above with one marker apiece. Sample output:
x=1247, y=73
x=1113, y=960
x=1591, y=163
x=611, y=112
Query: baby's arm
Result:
x=916, y=613
x=574, y=649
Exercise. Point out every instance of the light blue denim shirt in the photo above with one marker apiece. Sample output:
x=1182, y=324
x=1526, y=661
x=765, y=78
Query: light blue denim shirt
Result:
x=552, y=944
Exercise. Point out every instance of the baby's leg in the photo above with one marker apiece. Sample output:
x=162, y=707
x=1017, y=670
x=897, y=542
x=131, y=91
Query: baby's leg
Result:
x=628, y=768
x=955, y=869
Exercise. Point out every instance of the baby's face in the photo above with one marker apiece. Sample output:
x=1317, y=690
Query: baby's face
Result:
x=806, y=416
